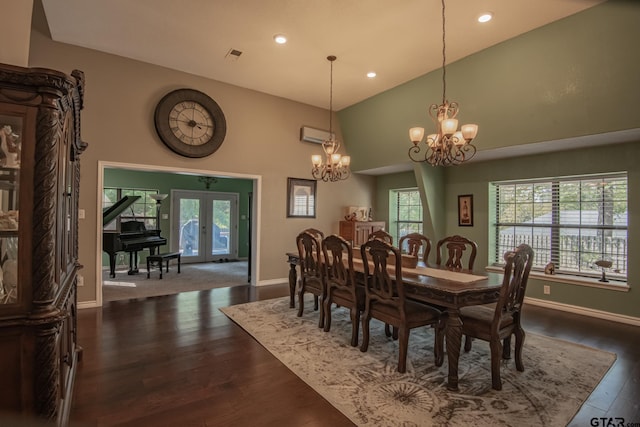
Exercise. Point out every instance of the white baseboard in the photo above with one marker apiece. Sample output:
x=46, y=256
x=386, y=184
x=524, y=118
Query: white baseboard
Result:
x=614, y=317
x=88, y=304
x=272, y=282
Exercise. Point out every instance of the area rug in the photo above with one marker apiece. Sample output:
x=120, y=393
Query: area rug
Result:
x=366, y=387
x=192, y=277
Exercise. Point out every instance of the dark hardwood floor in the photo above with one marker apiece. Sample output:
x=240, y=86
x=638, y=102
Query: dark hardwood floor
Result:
x=178, y=361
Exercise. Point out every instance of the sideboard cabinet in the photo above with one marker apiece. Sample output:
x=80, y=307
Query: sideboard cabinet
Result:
x=40, y=146
x=357, y=232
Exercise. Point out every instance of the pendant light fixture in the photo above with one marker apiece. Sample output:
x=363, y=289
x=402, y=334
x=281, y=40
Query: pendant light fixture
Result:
x=448, y=146
x=335, y=166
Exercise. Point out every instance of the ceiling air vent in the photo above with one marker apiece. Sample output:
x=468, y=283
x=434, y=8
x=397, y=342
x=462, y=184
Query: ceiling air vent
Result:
x=233, y=55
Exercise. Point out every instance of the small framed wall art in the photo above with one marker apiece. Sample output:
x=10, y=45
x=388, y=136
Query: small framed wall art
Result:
x=465, y=210
x=301, y=198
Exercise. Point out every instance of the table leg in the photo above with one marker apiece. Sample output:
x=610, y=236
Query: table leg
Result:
x=293, y=278
x=454, y=340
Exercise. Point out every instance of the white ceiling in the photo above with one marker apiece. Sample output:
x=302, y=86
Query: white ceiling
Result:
x=400, y=39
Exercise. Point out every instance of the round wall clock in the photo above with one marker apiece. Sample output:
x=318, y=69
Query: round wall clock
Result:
x=190, y=123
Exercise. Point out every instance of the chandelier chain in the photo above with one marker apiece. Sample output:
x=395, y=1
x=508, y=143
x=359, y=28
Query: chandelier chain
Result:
x=447, y=146
x=444, y=60
x=331, y=98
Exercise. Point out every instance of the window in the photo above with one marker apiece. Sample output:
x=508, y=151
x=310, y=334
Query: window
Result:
x=408, y=212
x=572, y=222
x=143, y=209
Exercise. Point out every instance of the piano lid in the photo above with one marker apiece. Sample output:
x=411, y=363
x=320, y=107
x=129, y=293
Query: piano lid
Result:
x=112, y=212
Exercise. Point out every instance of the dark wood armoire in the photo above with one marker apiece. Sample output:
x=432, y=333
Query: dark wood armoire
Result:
x=40, y=149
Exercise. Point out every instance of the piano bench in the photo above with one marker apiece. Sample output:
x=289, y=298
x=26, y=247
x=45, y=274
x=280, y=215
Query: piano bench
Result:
x=159, y=259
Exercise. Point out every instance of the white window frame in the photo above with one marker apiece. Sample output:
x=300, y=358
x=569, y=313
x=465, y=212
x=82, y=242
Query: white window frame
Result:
x=588, y=238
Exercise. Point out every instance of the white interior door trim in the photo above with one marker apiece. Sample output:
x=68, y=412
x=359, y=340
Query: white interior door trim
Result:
x=255, y=213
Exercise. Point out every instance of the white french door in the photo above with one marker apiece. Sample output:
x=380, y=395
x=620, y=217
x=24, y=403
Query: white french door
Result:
x=205, y=224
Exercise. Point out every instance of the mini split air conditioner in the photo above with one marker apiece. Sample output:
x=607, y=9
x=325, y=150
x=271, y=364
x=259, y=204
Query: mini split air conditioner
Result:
x=314, y=135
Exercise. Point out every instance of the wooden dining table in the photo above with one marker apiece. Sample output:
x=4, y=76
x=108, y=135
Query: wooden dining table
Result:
x=451, y=290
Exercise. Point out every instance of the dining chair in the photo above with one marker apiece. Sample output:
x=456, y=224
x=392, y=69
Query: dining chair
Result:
x=455, y=247
x=311, y=275
x=314, y=232
x=341, y=286
x=496, y=323
x=385, y=298
x=415, y=243
x=381, y=235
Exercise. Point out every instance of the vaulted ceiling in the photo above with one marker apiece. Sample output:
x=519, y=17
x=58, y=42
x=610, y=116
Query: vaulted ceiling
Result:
x=399, y=40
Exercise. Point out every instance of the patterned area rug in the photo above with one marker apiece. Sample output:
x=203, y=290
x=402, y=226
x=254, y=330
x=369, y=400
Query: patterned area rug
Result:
x=366, y=387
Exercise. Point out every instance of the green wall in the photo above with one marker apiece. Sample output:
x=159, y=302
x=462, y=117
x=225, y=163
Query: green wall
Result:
x=474, y=178
x=164, y=182
x=574, y=77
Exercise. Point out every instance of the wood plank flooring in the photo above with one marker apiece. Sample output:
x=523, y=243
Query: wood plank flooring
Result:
x=178, y=361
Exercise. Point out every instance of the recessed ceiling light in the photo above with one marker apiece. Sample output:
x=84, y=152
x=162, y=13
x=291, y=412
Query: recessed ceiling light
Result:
x=485, y=17
x=371, y=74
x=280, y=38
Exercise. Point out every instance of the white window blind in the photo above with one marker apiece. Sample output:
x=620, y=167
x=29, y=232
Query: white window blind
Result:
x=570, y=221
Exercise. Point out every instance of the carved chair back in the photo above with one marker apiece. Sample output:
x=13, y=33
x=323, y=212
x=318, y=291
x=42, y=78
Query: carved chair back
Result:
x=338, y=264
x=379, y=285
x=514, y=284
x=315, y=233
x=455, y=247
x=416, y=242
x=381, y=235
x=311, y=274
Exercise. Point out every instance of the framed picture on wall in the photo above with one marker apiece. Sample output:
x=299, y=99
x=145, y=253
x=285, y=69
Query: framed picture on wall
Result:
x=301, y=198
x=465, y=210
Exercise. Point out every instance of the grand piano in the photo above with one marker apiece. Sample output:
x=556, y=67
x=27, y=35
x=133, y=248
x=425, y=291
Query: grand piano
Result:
x=132, y=237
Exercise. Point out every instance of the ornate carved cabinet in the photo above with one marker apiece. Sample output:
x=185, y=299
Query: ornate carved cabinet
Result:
x=40, y=147
x=358, y=232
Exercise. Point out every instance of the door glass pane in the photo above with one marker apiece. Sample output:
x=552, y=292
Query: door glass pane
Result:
x=11, y=138
x=221, y=223
x=189, y=227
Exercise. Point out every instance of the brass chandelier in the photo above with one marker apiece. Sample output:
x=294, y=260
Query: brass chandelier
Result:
x=448, y=146
x=335, y=166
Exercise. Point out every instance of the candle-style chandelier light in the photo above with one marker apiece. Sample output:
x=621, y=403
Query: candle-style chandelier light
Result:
x=336, y=166
x=448, y=146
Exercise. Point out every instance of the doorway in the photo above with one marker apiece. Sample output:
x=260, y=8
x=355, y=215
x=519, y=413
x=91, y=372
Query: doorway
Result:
x=207, y=223
x=252, y=215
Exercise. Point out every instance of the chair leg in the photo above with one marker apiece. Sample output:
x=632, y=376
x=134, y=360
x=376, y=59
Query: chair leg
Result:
x=467, y=343
x=355, y=326
x=496, y=349
x=506, y=348
x=438, y=346
x=315, y=302
x=394, y=334
x=403, y=344
x=321, y=314
x=300, y=301
x=366, y=318
x=327, y=311
x=520, y=335
x=387, y=329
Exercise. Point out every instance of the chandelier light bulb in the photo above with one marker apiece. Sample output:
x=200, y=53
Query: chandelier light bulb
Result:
x=469, y=131
x=416, y=134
